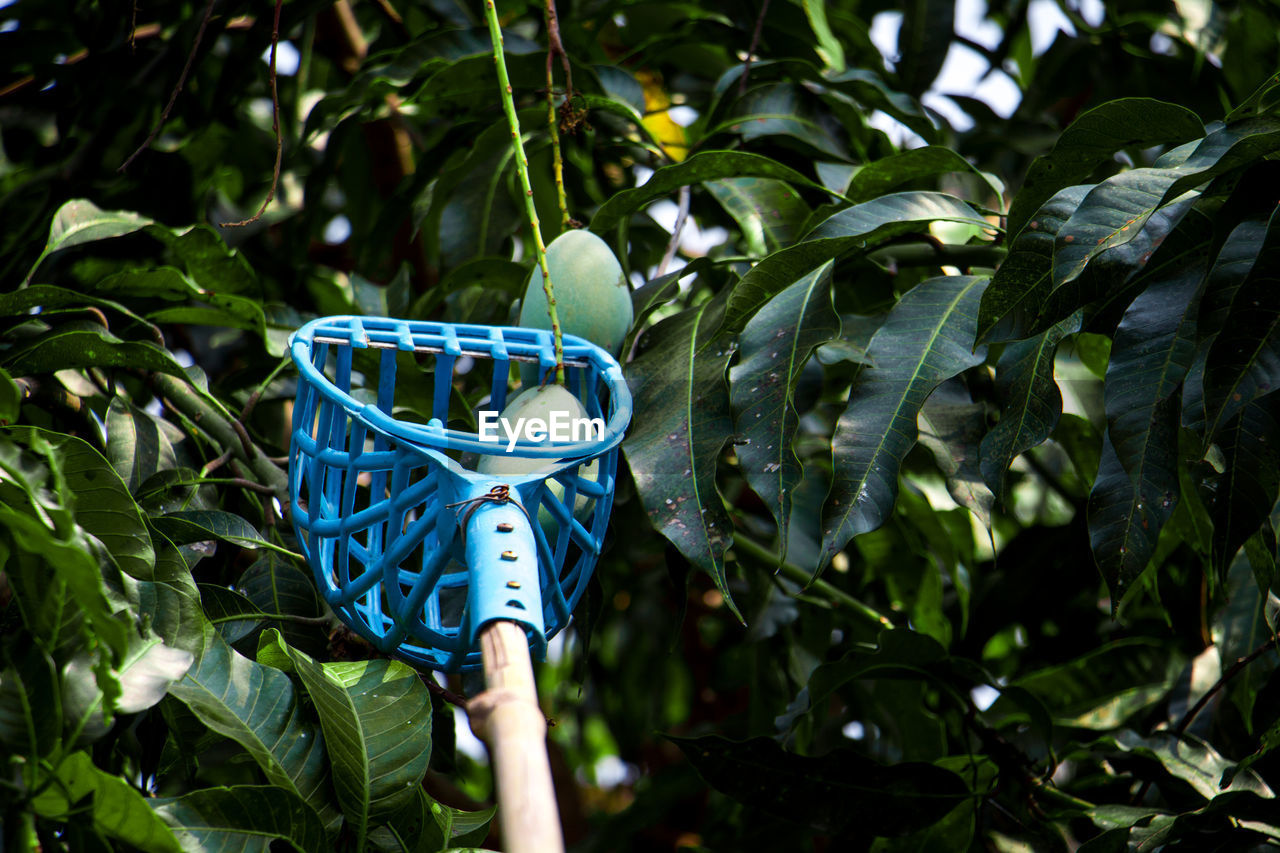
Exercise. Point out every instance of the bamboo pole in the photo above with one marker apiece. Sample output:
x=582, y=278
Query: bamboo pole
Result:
x=507, y=717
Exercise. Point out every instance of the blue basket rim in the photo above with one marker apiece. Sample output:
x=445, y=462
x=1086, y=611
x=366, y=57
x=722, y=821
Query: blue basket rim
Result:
x=460, y=339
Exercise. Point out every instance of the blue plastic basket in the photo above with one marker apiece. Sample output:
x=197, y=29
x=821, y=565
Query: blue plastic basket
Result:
x=413, y=549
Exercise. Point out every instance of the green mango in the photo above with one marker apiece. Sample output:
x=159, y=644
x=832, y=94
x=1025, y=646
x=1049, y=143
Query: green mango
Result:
x=539, y=403
x=593, y=299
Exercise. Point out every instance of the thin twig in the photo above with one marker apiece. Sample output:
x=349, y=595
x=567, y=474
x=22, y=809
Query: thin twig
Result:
x=177, y=90
x=755, y=42
x=216, y=463
x=275, y=125
x=681, y=215
x=522, y=169
x=1189, y=717
x=1232, y=671
x=443, y=692
x=392, y=15
x=554, y=46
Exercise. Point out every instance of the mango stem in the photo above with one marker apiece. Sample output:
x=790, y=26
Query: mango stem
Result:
x=522, y=169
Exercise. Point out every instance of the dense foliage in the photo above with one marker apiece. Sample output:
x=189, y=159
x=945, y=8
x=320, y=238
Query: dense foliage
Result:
x=946, y=520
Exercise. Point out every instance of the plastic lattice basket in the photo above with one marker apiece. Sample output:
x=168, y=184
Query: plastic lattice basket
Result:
x=413, y=548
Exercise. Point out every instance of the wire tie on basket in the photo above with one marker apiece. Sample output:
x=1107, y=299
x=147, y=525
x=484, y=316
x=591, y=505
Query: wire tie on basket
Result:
x=499, y=494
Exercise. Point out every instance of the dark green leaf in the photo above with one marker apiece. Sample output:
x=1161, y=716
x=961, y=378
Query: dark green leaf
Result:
x=1091, y=140
x=923, y=41
x=80, y=221
x=201, y=525
x=952, y=426
x=1012, y=304
x=1031, y=398
x=837, y=793
x=376, y=717
x=773, y=350
x=681, y=423
x=116, y=808
x=1247, y=489
x=103, y=506
x=1193, y=761
x=30, y=704
x=1116, y=210
x=701, y=167
x=878, y=177
x=1102, y=688
x=927, y=339
x=769, y=212
x=258, y=707
x=857, y=227
x=784, y=109
x=138, y=445
x=243, y=818
x=1137, y=485
x=1243, y=361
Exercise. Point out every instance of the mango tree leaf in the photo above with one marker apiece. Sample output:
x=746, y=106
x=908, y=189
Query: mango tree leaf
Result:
x=1243, y=362
x=138, y=445
x=782, y=109
x=46, y=531
x=170, y=603
x=1032, y=401
x=879, y=176
x=30, y=704
x=1101, y=688
x=927, y=338
x=116, y=808
x=1247, y=488
x=1240, y=626
x=376, y=717
x=1137, y=485
x=858, y=227
x=682, y=420
x=836, y=793
x=773, y=350
x=81, y=221
x=242, y=817
x=869, y=88
x=1193, y=761
x=1116, y=210
x=951, y=426
x=222, y=606
x=258, y=707
x=103, y=506
x=1012, y=304
x=769, y=212
x=276, y=585
x=829, y=49
x=1092, y=139
x=144, y=675
x=701, y=167
x=923, y=42
x=64, y=347
x=214, y=266
x=200, y=525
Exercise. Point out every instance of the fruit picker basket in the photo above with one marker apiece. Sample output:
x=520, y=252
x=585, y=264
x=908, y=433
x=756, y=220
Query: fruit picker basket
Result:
x=412, y=546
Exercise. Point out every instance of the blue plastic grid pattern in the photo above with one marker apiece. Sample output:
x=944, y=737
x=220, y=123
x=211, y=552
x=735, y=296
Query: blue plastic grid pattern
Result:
x=410, y=548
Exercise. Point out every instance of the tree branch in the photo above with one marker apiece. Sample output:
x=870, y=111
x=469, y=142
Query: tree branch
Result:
x=177, y=90
x=275, y=125
x=805, y=578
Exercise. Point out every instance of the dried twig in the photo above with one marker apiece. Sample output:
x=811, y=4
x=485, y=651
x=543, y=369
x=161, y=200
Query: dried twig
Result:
x=275, y=125
x=182, y=81
x=755, y=42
